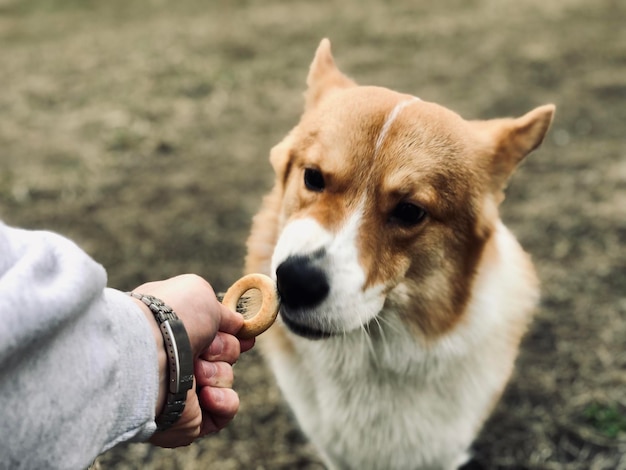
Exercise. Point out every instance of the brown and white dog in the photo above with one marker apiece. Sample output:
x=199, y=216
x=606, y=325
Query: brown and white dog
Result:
x=404, y=297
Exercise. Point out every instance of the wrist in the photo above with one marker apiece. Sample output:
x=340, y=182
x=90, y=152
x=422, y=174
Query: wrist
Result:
x=161, y=356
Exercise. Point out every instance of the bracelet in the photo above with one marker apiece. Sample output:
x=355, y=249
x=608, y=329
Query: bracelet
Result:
x=179, y=356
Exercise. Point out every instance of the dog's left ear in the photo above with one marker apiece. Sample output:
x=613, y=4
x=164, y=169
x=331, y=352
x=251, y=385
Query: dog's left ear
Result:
x=513, y=139
x=324, y=75
x=280, y=157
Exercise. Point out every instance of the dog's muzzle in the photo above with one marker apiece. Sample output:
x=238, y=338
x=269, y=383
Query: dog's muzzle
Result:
x=302, y=285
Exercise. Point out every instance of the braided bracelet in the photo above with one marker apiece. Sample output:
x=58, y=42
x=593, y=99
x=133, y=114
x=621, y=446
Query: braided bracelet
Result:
x=179, y=356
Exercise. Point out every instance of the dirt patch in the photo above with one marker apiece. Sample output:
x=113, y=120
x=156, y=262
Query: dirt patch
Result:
x=142, y=131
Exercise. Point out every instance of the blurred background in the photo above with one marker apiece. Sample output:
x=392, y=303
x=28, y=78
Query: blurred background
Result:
x=142, y=131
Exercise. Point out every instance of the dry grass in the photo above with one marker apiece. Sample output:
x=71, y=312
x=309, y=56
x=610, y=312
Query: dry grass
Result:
x=142, y=129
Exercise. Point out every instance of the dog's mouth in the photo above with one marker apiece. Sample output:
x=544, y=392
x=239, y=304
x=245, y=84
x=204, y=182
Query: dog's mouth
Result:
x=306, y=331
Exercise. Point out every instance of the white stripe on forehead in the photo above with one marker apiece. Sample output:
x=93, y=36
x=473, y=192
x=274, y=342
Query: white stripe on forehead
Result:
x=392, y=117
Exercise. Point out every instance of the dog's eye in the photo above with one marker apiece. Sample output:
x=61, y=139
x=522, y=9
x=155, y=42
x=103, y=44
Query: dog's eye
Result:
x=407, y=214
x=314, y=180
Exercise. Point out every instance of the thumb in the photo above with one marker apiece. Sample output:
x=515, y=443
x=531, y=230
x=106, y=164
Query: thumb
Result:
x=230, y=322
x=202, y=331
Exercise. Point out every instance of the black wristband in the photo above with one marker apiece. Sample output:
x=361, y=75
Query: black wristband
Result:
x=179, y=356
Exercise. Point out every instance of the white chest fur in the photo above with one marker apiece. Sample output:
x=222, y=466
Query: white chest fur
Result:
x=388, y=401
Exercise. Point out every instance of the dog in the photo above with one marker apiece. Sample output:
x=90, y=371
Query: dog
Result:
x=404, y=298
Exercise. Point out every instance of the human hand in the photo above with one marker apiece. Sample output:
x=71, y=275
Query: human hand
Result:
x=211, y=327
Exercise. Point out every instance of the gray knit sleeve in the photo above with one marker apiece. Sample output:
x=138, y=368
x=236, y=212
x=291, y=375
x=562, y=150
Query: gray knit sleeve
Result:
x=78, y=362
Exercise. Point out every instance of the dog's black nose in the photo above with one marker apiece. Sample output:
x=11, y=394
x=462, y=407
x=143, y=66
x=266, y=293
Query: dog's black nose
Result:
x=300, y=283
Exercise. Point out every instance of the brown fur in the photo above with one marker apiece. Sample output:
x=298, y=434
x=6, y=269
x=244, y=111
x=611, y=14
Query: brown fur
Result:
x=372, y=160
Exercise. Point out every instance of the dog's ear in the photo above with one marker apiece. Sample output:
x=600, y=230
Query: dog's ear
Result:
x=324, y=75
x=513, y=139
x=280, y=157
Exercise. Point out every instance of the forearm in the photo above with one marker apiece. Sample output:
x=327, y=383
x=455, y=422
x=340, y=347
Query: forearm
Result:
x=78, y=362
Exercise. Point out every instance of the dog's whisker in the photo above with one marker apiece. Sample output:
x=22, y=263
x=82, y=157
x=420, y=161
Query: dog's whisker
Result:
x=381, y=332
x=367, y=341
x=392, y=326
x=365, y=337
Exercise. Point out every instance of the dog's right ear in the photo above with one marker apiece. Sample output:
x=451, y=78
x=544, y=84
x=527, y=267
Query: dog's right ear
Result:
x=324, y=75
x=517, y=138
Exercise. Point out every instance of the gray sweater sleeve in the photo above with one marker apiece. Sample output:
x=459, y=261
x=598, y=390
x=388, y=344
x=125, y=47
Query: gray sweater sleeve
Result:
x=78, y=361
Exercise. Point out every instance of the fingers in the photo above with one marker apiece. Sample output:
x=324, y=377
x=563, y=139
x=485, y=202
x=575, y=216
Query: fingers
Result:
x=246, y=344
x=214, y=374
x=220, y=405
x=224, y=347
x=211, y=328
x=232, y=323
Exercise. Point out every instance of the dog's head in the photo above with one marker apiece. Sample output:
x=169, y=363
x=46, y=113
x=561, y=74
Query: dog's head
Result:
x=386, y=198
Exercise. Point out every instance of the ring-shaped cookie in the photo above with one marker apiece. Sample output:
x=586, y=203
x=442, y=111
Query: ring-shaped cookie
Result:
x=263, y=319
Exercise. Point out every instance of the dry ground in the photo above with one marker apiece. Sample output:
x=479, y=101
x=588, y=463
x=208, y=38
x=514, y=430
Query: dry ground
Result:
x=142, y=129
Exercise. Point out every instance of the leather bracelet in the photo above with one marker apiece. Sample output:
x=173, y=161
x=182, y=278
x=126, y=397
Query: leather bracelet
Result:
x=179, y=356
